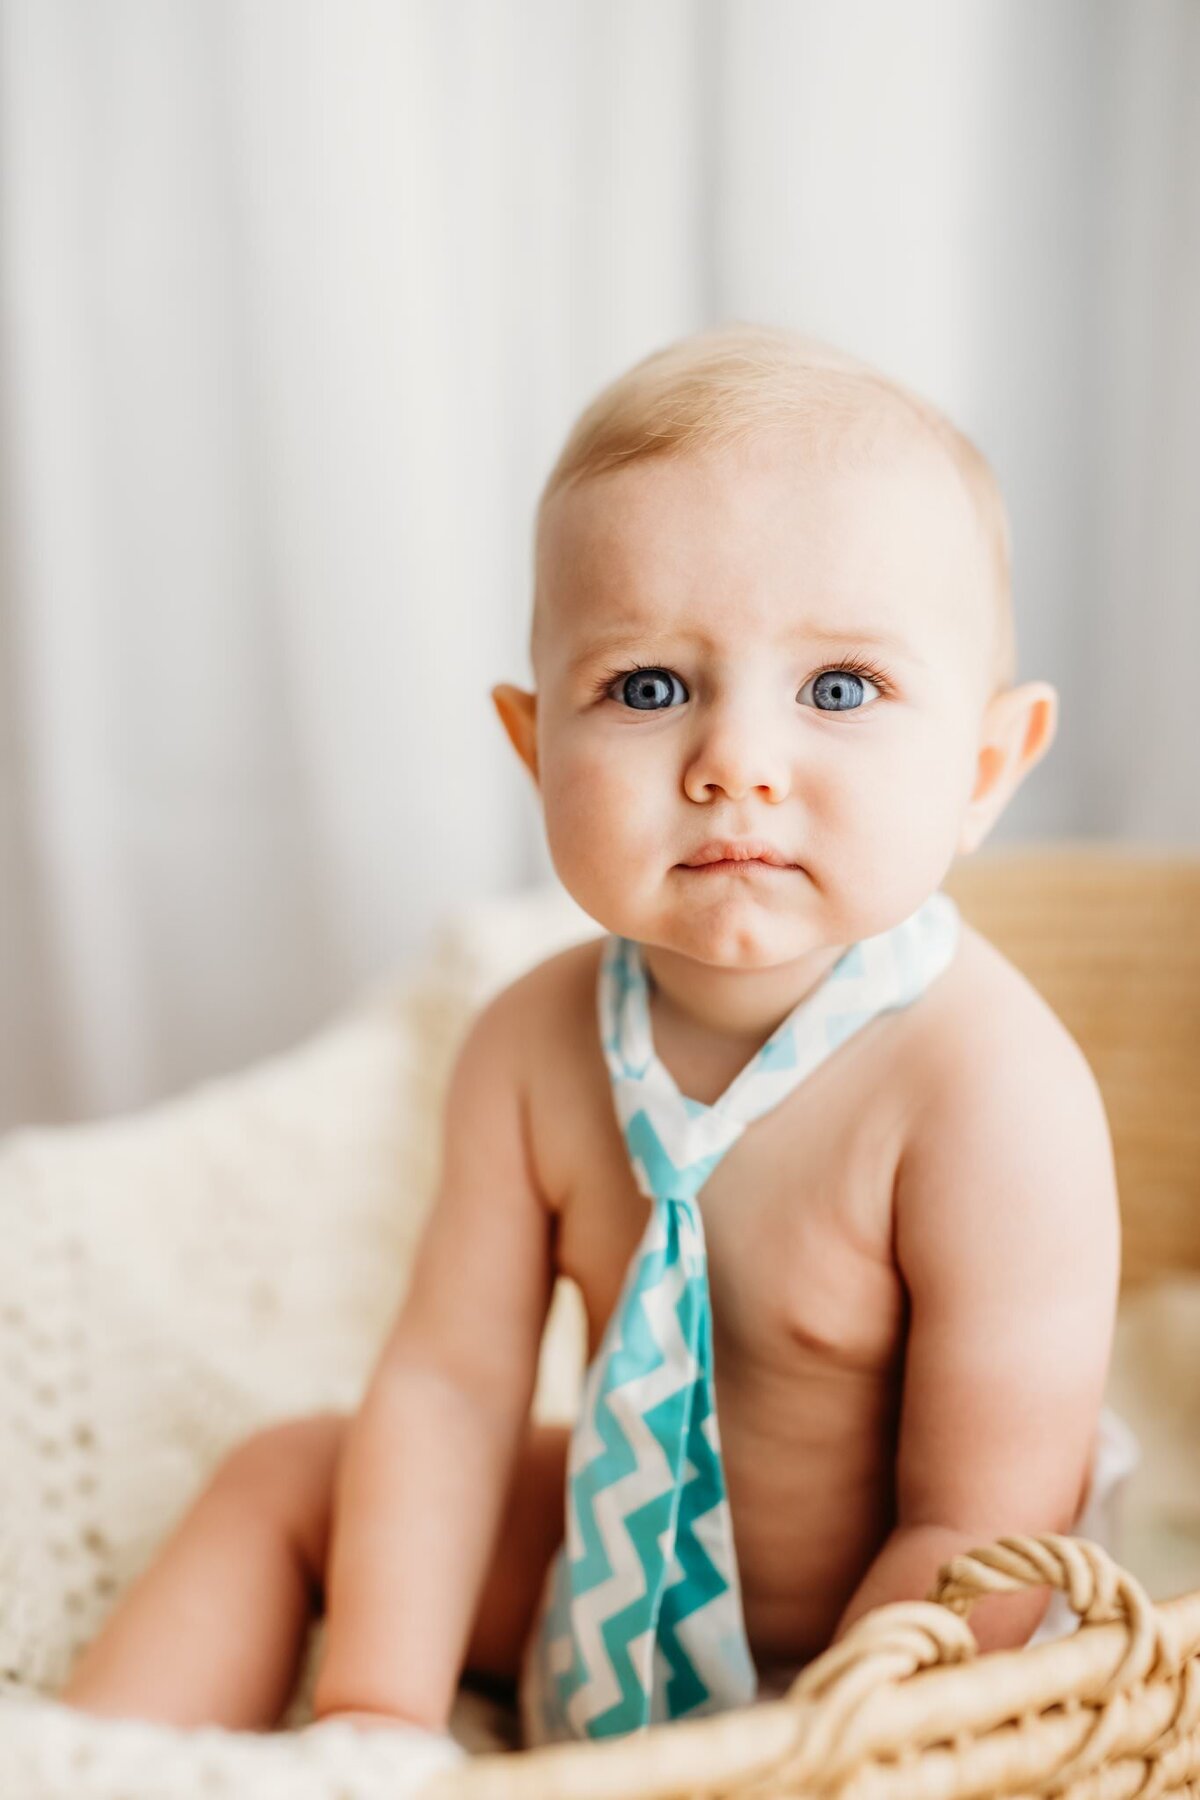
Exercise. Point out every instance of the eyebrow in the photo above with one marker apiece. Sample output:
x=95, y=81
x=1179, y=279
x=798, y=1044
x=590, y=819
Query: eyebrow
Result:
x=632, y=640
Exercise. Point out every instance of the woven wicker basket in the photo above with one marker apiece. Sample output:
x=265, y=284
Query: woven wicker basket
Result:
x=902, y=1708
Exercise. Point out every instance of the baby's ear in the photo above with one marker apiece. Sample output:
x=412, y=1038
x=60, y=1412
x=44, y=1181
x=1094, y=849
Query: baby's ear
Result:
x=518, y=715
x=1017, y=730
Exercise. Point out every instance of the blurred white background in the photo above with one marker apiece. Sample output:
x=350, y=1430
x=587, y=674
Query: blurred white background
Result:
x=300, y=296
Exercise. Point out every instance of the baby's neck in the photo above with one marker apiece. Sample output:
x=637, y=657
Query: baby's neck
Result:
x=742, y=1005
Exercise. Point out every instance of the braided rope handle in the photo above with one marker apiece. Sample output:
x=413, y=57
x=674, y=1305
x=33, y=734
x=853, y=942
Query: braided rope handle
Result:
x=893, y=1642
x=1095, y=1587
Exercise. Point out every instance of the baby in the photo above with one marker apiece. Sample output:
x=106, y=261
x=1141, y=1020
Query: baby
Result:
x=823, y=1165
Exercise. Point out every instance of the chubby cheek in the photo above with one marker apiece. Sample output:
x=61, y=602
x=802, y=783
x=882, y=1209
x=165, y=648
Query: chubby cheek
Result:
x=604, y=837
x=885, y=836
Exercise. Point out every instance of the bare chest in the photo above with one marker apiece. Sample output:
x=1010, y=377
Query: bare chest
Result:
x=797, y=1215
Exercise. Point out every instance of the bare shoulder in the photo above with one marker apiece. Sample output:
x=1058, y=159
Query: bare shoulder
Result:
x=986, y=1029
x=1006, y=1110
x=544, y=1012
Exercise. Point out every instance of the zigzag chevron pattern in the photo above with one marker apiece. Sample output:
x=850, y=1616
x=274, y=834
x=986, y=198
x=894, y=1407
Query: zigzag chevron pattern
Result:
x=641, y=1617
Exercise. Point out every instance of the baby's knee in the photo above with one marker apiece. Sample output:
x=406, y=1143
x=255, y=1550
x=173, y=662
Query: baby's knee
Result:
x=285, y=1472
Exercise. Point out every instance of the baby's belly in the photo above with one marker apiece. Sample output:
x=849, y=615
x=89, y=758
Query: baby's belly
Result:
x=810, y=1475
x=807, y=1381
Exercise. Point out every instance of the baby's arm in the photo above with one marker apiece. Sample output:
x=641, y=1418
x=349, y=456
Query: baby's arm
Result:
x=1007, y=1236
x=429, y=1457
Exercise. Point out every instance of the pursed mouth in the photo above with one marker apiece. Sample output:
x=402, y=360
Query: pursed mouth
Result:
x=724, y=855
x=742, y=865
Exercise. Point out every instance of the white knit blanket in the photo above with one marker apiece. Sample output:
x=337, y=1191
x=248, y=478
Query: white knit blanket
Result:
x=171, y=1281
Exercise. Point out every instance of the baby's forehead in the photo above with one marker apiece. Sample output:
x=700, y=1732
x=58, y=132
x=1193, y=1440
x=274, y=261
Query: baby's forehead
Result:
x=868, y=505
x=860, y=436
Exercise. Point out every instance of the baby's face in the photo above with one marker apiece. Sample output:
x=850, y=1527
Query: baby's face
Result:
x=741, y=649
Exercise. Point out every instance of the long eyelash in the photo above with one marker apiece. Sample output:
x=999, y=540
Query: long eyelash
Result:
x=614, y=675
x=859, y=665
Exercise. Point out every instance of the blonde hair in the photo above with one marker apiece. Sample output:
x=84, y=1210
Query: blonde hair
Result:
x=721, y=388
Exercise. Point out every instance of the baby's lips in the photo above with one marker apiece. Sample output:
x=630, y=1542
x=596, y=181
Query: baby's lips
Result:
x=738, y=850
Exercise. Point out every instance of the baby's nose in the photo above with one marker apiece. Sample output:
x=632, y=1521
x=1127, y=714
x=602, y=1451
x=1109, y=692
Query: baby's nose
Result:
x=736, y=756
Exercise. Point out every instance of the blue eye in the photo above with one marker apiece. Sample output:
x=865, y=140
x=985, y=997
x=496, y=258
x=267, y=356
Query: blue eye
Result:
x=650, y=690
x=839, y=690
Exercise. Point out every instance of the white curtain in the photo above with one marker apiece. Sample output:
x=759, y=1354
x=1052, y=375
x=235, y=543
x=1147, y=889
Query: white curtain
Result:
x=297, y=298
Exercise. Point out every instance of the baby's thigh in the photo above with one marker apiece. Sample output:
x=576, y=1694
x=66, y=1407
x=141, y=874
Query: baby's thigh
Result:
x=289, y=1472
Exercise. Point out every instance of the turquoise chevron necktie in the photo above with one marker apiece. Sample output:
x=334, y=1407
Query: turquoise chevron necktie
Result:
x=641, y=1616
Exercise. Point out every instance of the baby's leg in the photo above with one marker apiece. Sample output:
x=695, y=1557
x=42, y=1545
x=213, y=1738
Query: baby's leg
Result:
x=212, y=1632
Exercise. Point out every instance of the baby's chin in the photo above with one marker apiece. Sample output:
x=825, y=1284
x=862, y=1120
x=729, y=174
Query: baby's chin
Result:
x=766, y=951
x=760, y=924
x=739, y=934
